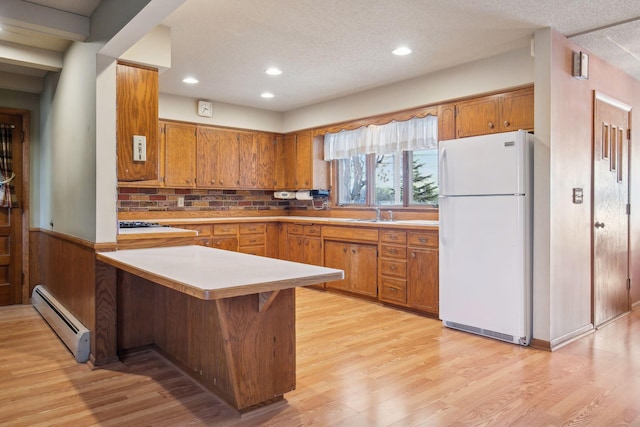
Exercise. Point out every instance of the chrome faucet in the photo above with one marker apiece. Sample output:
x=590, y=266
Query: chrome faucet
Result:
x=390, y=216
x=377, y=213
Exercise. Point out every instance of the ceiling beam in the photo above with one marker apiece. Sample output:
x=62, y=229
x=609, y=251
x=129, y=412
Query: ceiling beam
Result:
x=45, y=20
x=31, y=57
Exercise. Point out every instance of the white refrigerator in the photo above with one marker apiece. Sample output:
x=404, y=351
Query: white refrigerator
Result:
x=485, y=235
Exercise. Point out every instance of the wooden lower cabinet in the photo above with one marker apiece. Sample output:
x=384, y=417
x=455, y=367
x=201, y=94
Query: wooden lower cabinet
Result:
x=422, y=273
x=359, y=262
x=305, y=245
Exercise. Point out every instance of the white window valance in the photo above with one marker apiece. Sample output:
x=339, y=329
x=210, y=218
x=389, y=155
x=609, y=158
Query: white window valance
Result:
x=418, y=133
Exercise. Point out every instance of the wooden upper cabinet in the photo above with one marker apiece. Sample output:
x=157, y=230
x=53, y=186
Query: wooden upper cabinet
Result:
x=136, y=114
x=300, y=163
x=446, y=122
x=257, y=158
x=217, y=158
x=495, y=113
x=477, y=117
x=180, y=155
x=285, y=170
x=516, y=110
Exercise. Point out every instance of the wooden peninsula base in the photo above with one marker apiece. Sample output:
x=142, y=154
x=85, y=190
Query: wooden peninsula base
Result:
x=239, y=342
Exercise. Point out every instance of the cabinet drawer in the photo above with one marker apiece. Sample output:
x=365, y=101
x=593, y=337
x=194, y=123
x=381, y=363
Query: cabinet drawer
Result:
x=253, y=250
x=388, y=251
x=348, y=234
x=296, y=229
x=225, y=229
x=393, y=236
x=203, y=230
x=393, y=290
x=252, y=228
x=393, y=268
x=252, y=240
x=423, y=239
x=312, y=230
x=228, y=243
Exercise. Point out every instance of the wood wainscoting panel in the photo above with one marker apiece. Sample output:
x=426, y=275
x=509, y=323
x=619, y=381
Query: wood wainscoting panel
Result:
x=67, y=271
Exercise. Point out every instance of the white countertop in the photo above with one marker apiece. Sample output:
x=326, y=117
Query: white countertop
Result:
x=209, y=273
x=305, y=219
x=155, y=230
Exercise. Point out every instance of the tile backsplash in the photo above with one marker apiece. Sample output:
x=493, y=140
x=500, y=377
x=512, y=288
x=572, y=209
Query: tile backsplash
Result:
x=166, y=199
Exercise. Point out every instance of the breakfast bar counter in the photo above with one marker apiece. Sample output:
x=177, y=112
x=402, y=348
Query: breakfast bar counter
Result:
x=226, y=318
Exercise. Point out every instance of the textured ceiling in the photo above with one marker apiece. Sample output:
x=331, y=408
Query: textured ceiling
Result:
x=332, y=48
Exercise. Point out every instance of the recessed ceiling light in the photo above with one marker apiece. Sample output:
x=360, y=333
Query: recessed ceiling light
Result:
x=273, y=71
x=190, y=80
x=401, y=51
x=267, y=95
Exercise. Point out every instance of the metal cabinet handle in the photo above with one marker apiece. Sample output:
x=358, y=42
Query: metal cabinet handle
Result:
x=599, y=224
x=491, y=125
x=413, y=254
x=507, y=124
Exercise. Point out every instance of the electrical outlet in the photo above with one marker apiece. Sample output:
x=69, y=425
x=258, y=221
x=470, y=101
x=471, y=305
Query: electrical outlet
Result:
x=181, y=202
x=139, y=148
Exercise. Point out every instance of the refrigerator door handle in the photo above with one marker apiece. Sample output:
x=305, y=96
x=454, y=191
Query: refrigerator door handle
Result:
x=442, y=161
x=441, y=222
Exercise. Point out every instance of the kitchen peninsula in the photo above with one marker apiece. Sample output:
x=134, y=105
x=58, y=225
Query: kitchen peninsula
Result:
x=226, y=318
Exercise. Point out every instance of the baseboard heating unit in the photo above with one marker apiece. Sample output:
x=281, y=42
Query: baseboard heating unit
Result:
x=72, y=333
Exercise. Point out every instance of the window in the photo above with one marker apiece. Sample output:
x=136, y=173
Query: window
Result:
x=388, y=165
x=352, y=180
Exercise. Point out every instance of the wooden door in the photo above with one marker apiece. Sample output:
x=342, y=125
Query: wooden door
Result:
x=266, y=161
x=248, y=157
x=180, y=155
x=610, y=220
x=285, y=170
x=313, y=250
x=227, y=162
x=516, y=111
x=422, y=283
x=296, y=248
x=446, y=122
x=477, y=117
x=336, y=255
x=11, y=222
x=364, y=269
x=304, y=166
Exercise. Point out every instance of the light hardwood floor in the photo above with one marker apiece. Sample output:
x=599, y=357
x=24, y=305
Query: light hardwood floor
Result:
x=358, y=364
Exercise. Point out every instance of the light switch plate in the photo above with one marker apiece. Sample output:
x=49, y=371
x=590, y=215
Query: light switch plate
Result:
x=139, y=148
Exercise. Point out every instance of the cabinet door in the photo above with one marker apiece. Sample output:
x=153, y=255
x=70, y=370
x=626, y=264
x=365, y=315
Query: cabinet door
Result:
x=228, y=161
x=303, y=161
x=136, y=114
x=248, y=158
x=336, y=255
x=364, y=269
x=516, y=110
x=313, y=250
x=226, y=243
x=285, y=171
x=296, y=248
x=446, y=122
x=477, y=117
x=218, y=164
x=422, y=282
x=180, y=155
x=266, y=161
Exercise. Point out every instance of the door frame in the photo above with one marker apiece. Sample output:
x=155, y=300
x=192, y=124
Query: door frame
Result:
x=599, y=96
x=24, y=205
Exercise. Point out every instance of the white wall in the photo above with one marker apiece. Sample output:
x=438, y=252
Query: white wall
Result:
x=184, y=109
x=67, y=157
x=511, y=69
x=542, y=176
